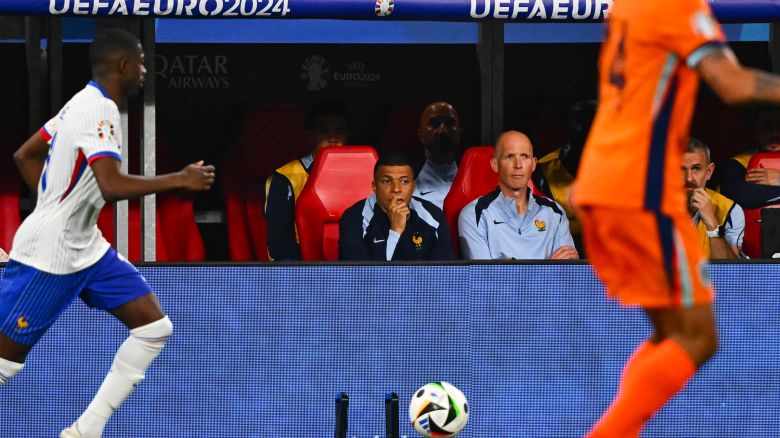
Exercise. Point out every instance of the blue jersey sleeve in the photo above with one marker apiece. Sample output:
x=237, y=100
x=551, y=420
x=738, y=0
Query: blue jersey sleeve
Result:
x=473, y=234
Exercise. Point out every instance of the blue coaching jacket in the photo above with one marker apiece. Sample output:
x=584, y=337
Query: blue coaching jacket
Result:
x=490, y=228
x=364, y=233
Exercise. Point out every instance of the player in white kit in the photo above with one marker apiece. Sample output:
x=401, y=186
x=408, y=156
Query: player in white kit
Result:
x=58, y=252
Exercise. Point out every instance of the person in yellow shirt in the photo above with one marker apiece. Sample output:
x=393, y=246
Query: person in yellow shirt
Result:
x=327, y=124
x=719, y=221
x=555, y=172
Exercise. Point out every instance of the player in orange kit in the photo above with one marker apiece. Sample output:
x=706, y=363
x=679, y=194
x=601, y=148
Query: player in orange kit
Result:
x=631, y=198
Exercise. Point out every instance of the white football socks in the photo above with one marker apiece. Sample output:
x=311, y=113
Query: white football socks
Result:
x=8, y=369
x=130, y=363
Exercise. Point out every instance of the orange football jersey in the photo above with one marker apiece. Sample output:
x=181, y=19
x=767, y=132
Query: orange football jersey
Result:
x=647, y=92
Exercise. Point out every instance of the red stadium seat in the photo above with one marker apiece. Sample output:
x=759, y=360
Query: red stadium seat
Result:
x=180, y=233
x=475, y=178
x=269, y=136
x=751, y=243
x=177, y=233
x=340, y=177
x=10, y=186
x=11, y=137
x=105, y=223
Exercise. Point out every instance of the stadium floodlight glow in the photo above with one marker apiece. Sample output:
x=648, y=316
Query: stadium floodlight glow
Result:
x=727, y=11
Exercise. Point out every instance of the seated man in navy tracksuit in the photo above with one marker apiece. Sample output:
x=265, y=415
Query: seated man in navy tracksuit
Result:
x=391, y=224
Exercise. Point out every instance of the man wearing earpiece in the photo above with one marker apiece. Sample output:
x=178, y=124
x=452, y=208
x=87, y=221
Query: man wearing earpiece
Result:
x=719, y=221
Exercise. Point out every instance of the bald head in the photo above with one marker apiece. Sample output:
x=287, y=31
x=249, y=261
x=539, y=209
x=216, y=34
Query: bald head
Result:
x=513, y=160
x=440, y=132
x=512, y=138
x=438, y=109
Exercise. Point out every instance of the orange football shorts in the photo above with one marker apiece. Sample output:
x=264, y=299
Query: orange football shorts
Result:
x=646, y=258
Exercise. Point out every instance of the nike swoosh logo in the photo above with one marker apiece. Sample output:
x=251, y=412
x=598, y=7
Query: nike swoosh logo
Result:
x=425, y=193
x=497, y=222
x=378, y=241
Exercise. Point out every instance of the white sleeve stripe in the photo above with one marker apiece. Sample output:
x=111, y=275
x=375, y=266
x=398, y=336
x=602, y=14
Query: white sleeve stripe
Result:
x=694, y=58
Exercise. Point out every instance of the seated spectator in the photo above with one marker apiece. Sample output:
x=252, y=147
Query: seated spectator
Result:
x=327, y=124
x=439, y=134
x=556, y=171
x=754, y=188
x=719, y=221
x=511, y=222
x=392, y=224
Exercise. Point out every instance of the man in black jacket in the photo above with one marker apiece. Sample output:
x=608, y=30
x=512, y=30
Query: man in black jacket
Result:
x=391, y=224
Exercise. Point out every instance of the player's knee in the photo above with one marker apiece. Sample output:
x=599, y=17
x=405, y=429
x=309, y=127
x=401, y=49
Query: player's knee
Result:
x=155, y=333
x=702, y=346
x=9, y=369
x=710, y=345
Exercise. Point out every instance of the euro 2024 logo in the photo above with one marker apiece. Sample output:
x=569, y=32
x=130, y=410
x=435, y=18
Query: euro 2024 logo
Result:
x=315, y=73
x=105, y=130
x=384, y=8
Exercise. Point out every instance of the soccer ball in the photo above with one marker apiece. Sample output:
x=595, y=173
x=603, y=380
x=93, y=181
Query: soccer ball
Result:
x=438, y=410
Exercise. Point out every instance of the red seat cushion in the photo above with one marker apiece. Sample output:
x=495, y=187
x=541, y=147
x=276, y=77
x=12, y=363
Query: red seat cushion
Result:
x=330, y=240
x=475, y=178
x=180, y=232
x=340, y=177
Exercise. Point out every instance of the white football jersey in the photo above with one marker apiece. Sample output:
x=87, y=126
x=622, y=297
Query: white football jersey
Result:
x=61, y=235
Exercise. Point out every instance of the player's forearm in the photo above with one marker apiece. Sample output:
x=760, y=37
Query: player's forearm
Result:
x=124, y=186
x=765, y=87
x=735, y=84
x=720, y=249
x=30, y=159
x=747, y=195
x=31, y=170
x=474, y=250
x=749, y=86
